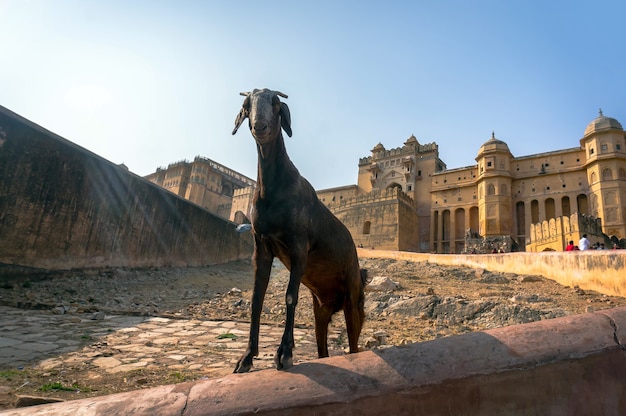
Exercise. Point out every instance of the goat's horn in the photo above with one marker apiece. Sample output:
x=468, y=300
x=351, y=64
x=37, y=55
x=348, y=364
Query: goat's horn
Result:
x=245, y=94
x=281, y=94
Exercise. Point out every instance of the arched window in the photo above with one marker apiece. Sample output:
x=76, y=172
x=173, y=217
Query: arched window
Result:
x=521, y=218
x=549, y=208
x=395, y=185
x=445, y=224
x=582, y=204
x=534, y=211
x=240, y=218
x=607, y=174
x=366, y=227
x=565, y=207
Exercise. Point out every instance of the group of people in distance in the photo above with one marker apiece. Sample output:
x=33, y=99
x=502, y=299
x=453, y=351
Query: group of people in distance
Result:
x=585, y=244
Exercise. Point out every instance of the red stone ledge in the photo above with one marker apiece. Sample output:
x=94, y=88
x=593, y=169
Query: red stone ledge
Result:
x=566, y=366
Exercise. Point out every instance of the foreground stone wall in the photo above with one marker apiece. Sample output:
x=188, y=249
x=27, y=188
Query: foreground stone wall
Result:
x=64, y=207
x=601, y=270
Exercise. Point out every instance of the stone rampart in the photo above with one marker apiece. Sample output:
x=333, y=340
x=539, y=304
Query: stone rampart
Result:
x=375, y=196
x=381, y=219
x=64, y=207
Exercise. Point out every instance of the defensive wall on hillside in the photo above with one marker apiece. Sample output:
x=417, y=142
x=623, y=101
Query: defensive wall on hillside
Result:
x=63, y=207
x=383, y=219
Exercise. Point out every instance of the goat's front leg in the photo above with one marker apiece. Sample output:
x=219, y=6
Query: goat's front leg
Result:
x=262, y=268
x=284, y=356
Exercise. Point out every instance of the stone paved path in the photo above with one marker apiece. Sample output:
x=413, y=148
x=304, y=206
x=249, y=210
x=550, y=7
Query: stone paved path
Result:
x=121, y=343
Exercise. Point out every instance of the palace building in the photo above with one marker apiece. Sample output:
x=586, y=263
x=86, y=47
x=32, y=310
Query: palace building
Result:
x=203, y=182
x=407, y=199
x=531, y=203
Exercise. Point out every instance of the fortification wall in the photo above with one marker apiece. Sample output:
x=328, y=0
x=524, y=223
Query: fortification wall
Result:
x=63, y=207
x=380, y=219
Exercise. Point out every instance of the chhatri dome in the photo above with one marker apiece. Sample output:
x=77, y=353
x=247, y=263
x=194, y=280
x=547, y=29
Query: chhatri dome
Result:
x=378, y=148
x=411, y=140
x=493, y=145
x=602, y=123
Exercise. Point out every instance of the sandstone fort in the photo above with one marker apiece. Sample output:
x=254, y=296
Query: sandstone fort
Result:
x=407, y=199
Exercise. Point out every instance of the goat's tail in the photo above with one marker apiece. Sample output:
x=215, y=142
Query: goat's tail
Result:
x=364, y=282
x=363, y=273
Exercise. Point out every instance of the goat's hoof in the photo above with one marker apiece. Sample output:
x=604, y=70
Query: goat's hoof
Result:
x=283, y=362
x=288, y=363
x=243, y=366
x=242, y=369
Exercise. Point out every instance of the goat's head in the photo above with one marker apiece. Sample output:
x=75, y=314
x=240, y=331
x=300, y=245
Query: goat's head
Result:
x=266, y=114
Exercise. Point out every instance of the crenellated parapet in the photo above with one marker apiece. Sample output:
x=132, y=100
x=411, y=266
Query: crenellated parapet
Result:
x=377, y=195
x=243, y=191
x=555, y=233
x=407, y=150
x=235, y=176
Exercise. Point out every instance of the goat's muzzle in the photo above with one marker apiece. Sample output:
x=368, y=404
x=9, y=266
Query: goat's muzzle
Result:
x=260, y=128
x=263, y=132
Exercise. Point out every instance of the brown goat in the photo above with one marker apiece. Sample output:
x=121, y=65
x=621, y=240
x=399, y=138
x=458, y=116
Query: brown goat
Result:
x=291, y=223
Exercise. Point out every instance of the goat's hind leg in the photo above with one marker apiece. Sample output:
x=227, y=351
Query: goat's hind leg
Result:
x=323, y=316
x=355, y=316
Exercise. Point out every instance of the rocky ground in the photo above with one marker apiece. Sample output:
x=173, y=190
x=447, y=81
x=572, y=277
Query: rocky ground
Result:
x=405, y=302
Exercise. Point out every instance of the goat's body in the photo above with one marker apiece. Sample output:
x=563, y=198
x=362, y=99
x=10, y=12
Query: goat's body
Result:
x=290, y=223
x=331, y=263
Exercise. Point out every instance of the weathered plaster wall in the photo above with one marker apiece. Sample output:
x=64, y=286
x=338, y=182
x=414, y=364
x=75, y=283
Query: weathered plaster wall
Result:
x=64, y=207
x=600, y=270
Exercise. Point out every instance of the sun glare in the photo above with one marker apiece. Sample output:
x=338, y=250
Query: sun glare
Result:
x=87, y=97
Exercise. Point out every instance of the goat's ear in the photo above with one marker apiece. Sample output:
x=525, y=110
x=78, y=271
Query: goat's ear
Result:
x=285, y=118
x=240, y=118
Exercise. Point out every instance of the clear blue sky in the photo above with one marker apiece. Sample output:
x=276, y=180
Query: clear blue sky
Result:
x=147, y=83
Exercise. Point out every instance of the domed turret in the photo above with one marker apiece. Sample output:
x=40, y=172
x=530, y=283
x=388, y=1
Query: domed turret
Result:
x=602, y=123
x=493, y=145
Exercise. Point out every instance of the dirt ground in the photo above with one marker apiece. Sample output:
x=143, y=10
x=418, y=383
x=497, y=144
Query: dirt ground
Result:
x=414, y=302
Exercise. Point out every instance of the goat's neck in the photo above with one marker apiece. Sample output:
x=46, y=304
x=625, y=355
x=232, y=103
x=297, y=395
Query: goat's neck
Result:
x=275, y=169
